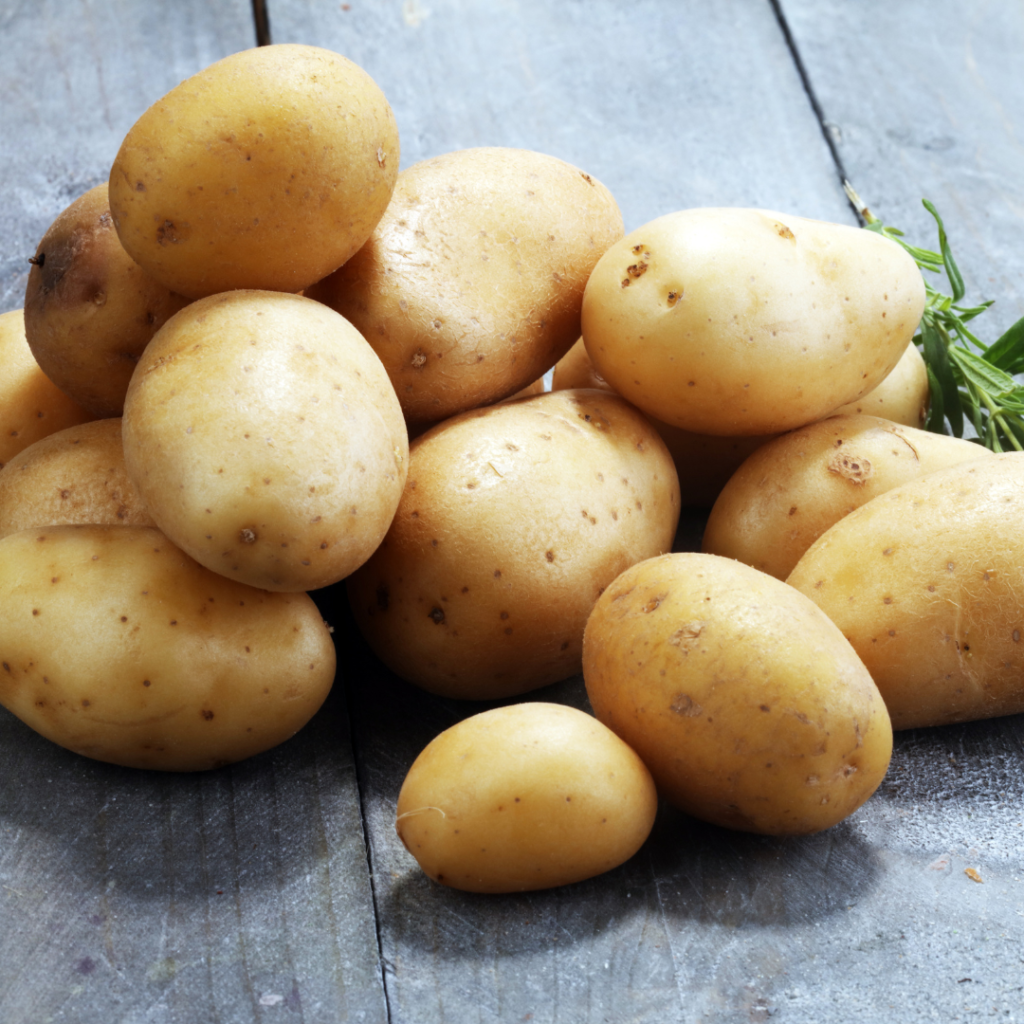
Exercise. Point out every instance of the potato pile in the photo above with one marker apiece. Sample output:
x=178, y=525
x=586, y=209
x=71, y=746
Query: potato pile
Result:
x=207, y=411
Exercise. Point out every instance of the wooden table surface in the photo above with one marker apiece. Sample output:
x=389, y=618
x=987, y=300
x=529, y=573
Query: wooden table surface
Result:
x=276, y=890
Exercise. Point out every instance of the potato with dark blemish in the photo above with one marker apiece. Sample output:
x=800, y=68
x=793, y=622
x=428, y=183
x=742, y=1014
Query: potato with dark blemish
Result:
x=744, y=700
x=266, y=439
x=927, y=583
x=470, y=286
x=792, y=489
x=524, y=797
x=748, y=321
x=90, y=309
x=74, y=476
x=118, y=646
x=514, y=519
x=31, y=405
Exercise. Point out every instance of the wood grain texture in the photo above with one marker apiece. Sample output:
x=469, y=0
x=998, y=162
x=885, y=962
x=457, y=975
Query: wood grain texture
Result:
x=927, y=101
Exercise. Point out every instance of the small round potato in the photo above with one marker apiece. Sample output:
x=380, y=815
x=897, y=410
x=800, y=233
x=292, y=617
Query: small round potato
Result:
x=926, y=583
x=902, y=397
x=470, y=287
x=266, y=440
x=525, y=797
x=792, y=489
x=515, y=518
x=31, y=405
x=265, y=170
x=747, y=704
x=732, y=321
x=116, y=645
x=90, y=309
x=74, y=476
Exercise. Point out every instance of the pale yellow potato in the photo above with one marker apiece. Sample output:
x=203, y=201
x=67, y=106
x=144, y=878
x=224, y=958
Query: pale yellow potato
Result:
x=74, y=476
x=90, y=309
x=746, y=703
x=470, y=287
x=515, y=518
x=31, y=405
x=265, y=170
x=266, y=440
x=704, y=462
x=739, y=322
x=118, y=646
x=927, y=583
x=903, y=396
x=525, y=797
x=792, y=489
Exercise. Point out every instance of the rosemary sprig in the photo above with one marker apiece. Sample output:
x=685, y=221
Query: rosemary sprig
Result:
x=969, y=380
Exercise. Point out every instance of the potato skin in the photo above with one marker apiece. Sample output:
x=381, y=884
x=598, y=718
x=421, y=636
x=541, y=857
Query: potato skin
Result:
x=118, y=646
x=748, y=706
x=74, y=476
x=792, y=489
x=31, y=405
x=267, y=169
x=902, y=397
x=732, y=321
x=525, y=797
x=470, y=286
x=514, y=519
x=926, y=583
x=266, y=440
x=90, y=309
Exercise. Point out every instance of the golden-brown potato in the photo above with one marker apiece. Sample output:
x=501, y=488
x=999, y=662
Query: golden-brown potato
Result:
x=116, y=645
x=266, y=440
x=31, y=405
x=265, y=170
x=470, y=286
x=926, y=583
x=514, y=519
x=729, y=321
x=746, y=703
x=792, y=489
x=90, y=309
x=525, y=797
x=74, y=476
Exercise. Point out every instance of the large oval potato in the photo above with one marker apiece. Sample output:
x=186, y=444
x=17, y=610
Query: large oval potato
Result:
x=74, y=476
x=732, y=321
x=746, y=703
x=470, y=287
x=792, y=489
x=925, y=582
x=524, y=797
x=90, y=309
x=266, y=440
x=118, y=646
x=267, y=169
x=31, y=405
x=514, y=519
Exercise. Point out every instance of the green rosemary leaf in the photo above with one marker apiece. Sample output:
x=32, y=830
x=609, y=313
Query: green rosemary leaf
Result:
x=1007, y=351
x=952, y=270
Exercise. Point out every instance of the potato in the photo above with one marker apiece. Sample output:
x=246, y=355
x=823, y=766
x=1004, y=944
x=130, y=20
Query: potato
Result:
x=746, y=703
x=791, y=490
x=738, y=322
x=116, y=645
x=525, y=797
x=74, y=476
x=31, y=405
x=266, y=440
x=266, y=170
x=515, y=518
x=471, y=285
x=90, y=309
x=902, y=397
x=925, y=582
